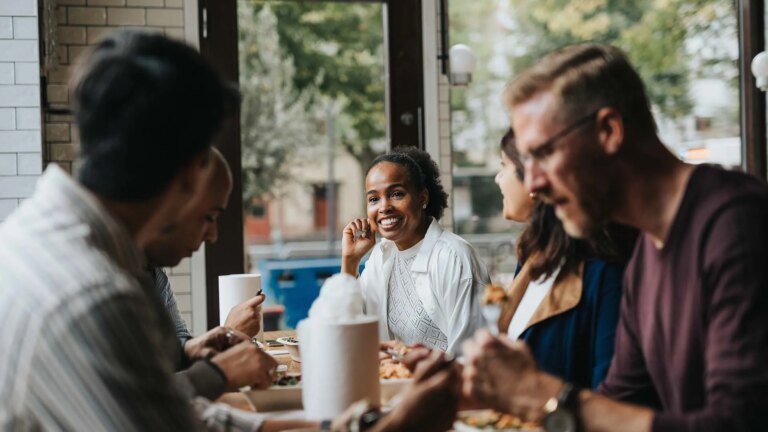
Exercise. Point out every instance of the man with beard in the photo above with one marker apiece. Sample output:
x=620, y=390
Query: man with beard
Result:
x=692, y=341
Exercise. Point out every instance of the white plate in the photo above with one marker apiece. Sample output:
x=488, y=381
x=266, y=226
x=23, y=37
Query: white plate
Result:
x=291, y=347
x=282, y=398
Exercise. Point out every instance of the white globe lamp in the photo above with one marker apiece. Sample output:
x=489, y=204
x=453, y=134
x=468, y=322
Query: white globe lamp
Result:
x=463, y=63
x=760, y=70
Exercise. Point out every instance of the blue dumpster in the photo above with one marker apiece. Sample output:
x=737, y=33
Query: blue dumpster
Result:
x=295, y=283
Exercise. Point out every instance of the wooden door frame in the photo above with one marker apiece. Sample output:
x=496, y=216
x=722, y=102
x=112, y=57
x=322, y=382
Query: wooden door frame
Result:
x=405, y=107
x=753, y=100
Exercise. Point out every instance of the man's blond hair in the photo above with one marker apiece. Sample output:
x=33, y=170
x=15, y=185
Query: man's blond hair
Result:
x=584, y=78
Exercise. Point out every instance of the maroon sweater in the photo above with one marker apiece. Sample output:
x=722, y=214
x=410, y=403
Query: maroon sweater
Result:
x=692, y=340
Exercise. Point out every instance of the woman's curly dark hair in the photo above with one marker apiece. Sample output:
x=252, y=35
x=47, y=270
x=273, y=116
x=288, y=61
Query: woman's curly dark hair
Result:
x=423, y=172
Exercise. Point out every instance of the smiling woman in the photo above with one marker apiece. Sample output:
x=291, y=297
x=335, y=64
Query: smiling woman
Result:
x=420, y=280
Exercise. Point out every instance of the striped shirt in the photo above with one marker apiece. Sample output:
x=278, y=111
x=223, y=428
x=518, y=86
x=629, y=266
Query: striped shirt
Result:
x=163, y=286
x=85, y=341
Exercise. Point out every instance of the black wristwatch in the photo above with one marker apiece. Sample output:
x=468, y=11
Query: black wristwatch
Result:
x=369, y=418
x=561, y=414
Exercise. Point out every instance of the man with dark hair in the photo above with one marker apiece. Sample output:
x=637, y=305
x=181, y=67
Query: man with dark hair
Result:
x=227, y=369
x=86, y=343
x=692, y=341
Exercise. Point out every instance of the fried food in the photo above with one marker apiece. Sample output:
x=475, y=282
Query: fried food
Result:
x=390, y=356
x=497, y=420
x=390, y=369
x=494, y=294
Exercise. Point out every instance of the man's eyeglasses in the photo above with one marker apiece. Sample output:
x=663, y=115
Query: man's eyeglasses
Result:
x=541, y=152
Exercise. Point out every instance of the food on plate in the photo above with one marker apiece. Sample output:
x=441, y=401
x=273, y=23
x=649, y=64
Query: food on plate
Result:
x=493, y=294
x=493, y=420
x=390, y=369
x=291, y=344
x=390, y=356
x=287, y=380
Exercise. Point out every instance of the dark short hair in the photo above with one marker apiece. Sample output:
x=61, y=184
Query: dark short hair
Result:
x=422, y=172
x=545, y=236
x=145, y=106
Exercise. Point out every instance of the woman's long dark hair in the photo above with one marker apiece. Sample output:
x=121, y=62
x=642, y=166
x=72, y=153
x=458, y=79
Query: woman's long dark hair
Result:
x=545, y=237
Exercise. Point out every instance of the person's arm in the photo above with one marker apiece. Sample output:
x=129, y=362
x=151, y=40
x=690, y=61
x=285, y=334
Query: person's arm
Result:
x=627, y=379
x=735, y=281
x=226, y=360
x=600, y=414
x=100, y=365
x=605, y=319
x=163, y=285
x=455, y=280
x=501, y=374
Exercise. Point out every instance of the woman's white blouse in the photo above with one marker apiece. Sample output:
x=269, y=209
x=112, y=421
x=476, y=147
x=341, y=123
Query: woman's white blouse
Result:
x=449, y=278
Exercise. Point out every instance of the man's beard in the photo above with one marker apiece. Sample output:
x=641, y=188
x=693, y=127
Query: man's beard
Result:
x=595, y=194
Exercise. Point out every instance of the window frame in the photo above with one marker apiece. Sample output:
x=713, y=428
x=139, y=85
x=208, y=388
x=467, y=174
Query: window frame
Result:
x=217, y=21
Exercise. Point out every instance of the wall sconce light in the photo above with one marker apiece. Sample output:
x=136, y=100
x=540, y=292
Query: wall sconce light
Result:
x=760, y=70
x=463, y=63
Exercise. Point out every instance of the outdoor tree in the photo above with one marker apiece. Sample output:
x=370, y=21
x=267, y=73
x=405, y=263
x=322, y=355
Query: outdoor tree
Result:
x=277, y=119
x=338, y=50
x=671, y=42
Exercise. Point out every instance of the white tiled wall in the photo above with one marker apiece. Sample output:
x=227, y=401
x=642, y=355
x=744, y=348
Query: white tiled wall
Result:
x=20, y=137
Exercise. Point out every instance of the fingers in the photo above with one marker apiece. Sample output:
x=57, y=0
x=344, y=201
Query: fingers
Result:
x=235, y=337
x=416, y=356
x=266, y=368
x=349, y=230
x=445, y=379
x=429, y=366
x=373, y=225
x=255, y=301
x=208, y=353
x=359, y=228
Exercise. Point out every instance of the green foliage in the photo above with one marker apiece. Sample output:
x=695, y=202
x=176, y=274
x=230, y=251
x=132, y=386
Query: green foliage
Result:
x=338, y=48
x=658, y=35
x=276, y=119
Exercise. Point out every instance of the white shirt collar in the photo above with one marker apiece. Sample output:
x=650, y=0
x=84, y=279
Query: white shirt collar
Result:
x=427, y=246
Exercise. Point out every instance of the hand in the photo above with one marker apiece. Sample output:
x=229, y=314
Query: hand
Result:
x=246, y=365
x=213, y=342
x=353, y=247
x=246, y=316
x=430, y=404
x=415, y=357
x=502, y=374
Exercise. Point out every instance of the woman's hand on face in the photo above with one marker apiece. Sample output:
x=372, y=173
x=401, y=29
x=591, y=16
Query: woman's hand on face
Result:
x=358, y=238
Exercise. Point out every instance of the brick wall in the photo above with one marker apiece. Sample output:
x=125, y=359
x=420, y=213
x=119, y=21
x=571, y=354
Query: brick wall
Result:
x=81, y=23
x=180, y=279
x=20, y=141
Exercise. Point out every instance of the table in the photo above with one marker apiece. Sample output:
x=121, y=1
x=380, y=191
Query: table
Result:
x=294, y=367
x=241, y=401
